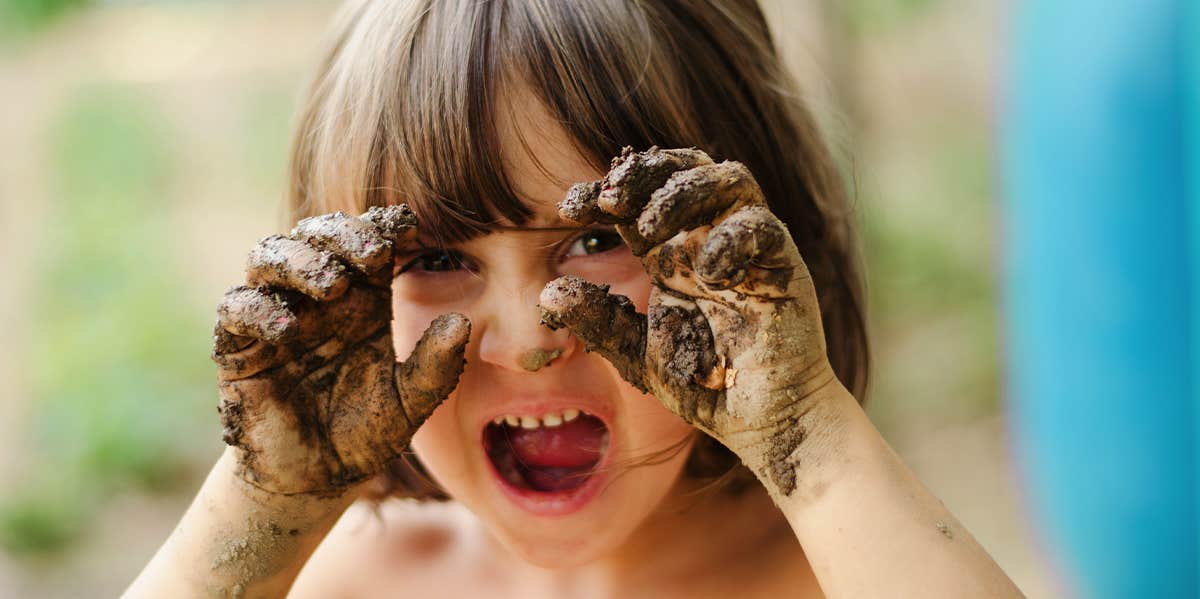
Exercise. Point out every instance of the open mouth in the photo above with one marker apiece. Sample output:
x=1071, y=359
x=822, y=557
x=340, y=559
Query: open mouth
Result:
x=549, y=453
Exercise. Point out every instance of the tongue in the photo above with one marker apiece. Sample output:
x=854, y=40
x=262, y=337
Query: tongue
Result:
x=574, y=444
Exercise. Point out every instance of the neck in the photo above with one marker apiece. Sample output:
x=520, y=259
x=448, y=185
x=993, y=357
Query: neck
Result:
x=697, y=538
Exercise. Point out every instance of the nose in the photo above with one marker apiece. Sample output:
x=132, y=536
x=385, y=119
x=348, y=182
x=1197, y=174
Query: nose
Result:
x=513, y=337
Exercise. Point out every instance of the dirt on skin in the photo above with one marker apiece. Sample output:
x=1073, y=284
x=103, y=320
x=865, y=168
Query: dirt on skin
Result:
x=311, y=392
x=732, y=342
x=537, y=359
x=945, y=530
x=250, y=556
x=279, y=261
x=606, y=323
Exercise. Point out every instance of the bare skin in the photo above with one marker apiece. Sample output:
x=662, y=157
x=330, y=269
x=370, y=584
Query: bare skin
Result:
x=867, y=527
x=732, y=343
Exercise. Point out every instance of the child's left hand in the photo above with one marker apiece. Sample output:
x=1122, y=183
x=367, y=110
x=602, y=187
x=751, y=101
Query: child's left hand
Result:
x=733, y=341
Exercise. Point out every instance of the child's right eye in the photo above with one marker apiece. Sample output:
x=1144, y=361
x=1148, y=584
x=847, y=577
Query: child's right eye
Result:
x=438, y=260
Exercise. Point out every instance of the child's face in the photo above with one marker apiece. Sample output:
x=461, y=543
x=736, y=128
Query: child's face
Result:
x=534, y=498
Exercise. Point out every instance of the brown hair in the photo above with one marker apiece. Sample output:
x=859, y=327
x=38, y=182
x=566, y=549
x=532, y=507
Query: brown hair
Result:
x=403, y=108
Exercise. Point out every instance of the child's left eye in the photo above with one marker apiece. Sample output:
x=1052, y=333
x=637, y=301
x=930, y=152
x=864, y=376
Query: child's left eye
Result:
x=435, y=261
x=594, y=242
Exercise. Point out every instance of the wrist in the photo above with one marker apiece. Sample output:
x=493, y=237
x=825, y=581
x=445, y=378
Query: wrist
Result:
x=305, y=505
x=260, y=539
x=239, y=540
x=795, y=451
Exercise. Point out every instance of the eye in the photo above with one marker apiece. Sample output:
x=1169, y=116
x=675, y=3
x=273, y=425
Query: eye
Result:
x=437, y=260
x=594, y=242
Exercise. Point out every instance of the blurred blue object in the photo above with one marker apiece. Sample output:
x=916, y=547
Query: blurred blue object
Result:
x=1100, y=271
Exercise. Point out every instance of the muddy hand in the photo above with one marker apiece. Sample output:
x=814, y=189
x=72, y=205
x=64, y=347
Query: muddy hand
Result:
x=733, y=340
x=312, y=396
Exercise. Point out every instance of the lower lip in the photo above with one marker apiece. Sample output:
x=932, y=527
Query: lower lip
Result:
x=559, y=503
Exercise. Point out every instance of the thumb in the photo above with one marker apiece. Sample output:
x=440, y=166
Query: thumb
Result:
x=431, y=372
x=605, y=322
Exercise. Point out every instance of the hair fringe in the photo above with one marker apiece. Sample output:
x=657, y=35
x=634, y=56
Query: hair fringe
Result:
x=404, y=107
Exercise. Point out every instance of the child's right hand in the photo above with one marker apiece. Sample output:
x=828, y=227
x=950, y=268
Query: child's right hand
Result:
x=312, y=396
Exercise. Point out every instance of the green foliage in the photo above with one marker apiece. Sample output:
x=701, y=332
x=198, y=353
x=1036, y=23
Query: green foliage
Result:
x=931, y=281
x=118, y=360
x=265, y=123
x=40, y=521
x=31, y=14
x=873, y=16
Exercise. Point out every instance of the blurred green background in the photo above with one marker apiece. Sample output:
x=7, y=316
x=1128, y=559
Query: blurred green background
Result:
x=142, y=151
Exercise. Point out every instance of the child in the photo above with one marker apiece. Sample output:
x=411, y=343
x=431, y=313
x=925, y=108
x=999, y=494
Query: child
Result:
x=636, y=378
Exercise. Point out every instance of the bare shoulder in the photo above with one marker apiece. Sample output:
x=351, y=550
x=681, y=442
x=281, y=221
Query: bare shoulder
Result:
x=377, y=549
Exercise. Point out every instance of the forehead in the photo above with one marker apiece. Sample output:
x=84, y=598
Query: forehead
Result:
x=540, y=158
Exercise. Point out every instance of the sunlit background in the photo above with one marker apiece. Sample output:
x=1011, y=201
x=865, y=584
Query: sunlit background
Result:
x=142, y=152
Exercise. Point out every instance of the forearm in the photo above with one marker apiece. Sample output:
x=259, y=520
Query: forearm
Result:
x=869, y=527
x=238, y=541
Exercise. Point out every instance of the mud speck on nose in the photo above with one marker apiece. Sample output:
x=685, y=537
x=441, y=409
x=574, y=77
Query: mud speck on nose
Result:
x=537, y=359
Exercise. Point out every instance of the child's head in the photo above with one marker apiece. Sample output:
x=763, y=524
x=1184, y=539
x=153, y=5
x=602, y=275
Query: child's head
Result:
x=480, y=115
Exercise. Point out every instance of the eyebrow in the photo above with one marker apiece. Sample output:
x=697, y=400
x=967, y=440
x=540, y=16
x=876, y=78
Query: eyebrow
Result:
x=525, y=229
x=422, y=243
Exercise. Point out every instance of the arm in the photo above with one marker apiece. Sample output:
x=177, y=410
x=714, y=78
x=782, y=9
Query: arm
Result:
x=733, y=344
x=237, y=540
x=870, y=529
x=313, y=402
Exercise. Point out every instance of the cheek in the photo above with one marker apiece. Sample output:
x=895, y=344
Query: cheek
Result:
x=438, y=446
x=636, y=287
x=410, y=318
x=649, y=426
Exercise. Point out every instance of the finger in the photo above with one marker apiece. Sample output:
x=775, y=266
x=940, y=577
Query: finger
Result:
x=263, y=314
x=225, y=342
x=396, y=223
x=749, y=250
x=690, y=367
x=251, y=360
x=635, y=175
x=606, y=323
x=580, y=207
x=278, y=261
x=352, y=239
x=696, y=197
x=240, y=357
x=431, y=372
x=329, y=328
x=669, y=263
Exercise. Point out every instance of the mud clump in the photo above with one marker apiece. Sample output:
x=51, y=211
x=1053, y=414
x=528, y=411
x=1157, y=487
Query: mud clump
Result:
x=781, y=468
x=634, y=176
x=686, y=369
x=538, y=358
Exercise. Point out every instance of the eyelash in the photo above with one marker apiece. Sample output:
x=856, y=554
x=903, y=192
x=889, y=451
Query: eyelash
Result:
x=460, y=261
x=612, y=235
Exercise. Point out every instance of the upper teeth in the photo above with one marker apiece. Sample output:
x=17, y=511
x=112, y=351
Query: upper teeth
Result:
x=549, y=419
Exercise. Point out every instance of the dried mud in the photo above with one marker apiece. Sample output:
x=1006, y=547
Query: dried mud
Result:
x=538, y=358
x=705, y=235
x=311, y=392
x=606, y=323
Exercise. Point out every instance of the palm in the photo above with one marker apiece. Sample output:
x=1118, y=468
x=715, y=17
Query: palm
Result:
x=311, y=392
x=732, y=341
